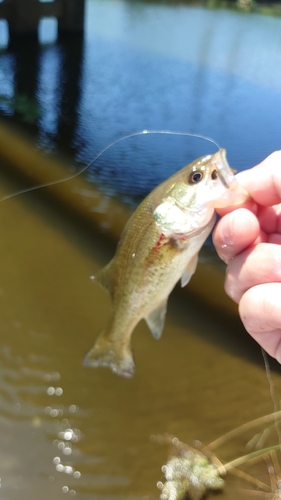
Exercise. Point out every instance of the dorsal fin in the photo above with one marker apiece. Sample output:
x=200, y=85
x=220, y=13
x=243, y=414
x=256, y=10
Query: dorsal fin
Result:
x=103, y=276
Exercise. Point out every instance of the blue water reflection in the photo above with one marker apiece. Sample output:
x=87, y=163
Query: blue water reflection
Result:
x=146, y=66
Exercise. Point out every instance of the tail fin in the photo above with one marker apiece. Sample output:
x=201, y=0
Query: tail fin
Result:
x=117, y=357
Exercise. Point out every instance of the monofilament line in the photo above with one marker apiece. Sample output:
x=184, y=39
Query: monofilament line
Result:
x=84, y=169
x=272, y=394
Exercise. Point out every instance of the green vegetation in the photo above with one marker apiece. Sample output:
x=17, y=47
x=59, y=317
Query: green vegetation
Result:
x=257, y=6
x=23, y=105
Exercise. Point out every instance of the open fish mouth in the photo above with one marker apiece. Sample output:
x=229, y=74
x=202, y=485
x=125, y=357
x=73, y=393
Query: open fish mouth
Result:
x=223, y=169
x=234, y=194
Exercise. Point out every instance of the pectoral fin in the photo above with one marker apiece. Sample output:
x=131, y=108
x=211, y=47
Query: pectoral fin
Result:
x=189, y=270
x=156, y=319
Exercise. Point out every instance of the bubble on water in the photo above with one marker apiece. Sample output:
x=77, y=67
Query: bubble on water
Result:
x=73, y=408
x=65, y=489
x=54, y=391
x=59, y=467
x=56, y=460
x=68, y=434
x=52, y=376
x=67, y=450
x=77, y=474
x=72, y=493
x=55, y=412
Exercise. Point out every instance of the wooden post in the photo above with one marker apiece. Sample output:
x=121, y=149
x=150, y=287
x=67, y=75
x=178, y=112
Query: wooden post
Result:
x=23, y=16
x=72, y=19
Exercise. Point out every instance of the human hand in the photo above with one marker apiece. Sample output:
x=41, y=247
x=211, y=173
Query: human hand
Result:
x=248, y=240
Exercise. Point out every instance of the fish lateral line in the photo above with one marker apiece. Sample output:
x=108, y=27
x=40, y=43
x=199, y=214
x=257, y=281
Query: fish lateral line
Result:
x=106, y=148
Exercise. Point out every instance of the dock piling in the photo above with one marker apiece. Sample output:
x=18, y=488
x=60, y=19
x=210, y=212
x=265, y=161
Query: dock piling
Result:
x=23, y=16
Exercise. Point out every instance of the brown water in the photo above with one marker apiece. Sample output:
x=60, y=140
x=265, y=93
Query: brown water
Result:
x=66, y=430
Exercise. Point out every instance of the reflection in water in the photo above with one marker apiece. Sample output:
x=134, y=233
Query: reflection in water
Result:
x=146, y=65
x=22, y=387
x=23, y=390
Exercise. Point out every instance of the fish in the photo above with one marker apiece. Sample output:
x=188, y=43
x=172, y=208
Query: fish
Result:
x=158, y=247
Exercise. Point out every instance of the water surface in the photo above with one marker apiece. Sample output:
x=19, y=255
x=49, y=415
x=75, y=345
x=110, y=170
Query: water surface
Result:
x=149, y=66
x=66, y=430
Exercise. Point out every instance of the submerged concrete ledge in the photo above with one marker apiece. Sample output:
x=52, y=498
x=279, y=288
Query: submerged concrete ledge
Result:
x=30, y=166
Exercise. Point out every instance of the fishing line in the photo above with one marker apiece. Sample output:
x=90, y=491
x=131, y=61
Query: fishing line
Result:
x=84, y=169
x=272, y=394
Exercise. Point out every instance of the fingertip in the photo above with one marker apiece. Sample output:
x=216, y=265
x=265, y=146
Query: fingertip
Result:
x=235, y=232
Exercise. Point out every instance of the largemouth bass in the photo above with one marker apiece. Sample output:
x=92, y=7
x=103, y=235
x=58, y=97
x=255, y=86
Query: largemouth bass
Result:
x=159, y=246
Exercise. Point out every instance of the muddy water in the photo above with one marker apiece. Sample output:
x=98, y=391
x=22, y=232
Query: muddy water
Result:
x=66, y=430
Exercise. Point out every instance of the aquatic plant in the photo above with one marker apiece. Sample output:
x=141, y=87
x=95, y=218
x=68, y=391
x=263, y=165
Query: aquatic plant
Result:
x=192, y=472
x=274, y=473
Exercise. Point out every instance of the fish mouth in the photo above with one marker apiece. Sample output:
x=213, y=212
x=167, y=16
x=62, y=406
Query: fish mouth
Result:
x=234, y=194
x=225, y=173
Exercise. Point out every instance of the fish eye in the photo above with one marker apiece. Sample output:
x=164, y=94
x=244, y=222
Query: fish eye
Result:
x=195, y=177
x=214, y=174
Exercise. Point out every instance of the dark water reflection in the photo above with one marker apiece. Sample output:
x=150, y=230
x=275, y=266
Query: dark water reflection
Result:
x=146, y=66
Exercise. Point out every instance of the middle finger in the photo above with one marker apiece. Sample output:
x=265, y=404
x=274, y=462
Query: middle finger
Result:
x=256, y=265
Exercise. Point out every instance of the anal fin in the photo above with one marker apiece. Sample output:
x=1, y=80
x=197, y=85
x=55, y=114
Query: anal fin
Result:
x=156, y=319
